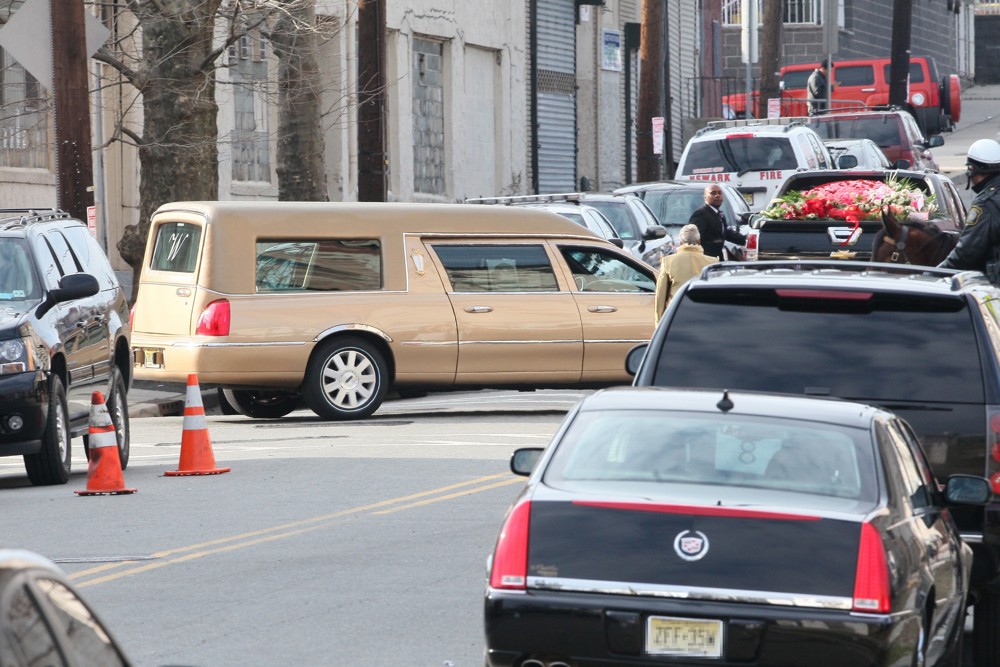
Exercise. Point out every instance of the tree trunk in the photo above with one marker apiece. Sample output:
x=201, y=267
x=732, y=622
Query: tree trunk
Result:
x=770, y=52
x=300, y=162
x=178, y=154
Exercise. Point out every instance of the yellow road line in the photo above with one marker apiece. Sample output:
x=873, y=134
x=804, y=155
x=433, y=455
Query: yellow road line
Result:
x=283, y=531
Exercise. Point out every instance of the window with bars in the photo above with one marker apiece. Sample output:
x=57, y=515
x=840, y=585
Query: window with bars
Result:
x=797, y=12
x=250, y=139
x=24, y=118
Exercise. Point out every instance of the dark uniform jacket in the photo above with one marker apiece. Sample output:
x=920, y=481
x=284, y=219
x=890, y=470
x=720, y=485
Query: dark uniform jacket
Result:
x=978, y=247
x=714, y=232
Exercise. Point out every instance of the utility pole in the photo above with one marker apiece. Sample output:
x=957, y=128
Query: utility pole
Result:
x=371, y=101
x=74, y=161
x=770, y=53
x=650, y=75
x=899, y=70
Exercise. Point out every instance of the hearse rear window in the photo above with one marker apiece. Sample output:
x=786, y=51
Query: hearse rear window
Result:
x=176, y=247
x=319, y=265
x=497, y=268
x=823, y=346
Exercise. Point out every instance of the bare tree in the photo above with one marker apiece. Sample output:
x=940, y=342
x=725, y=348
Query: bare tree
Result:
x=301, y=167
x=169, y=53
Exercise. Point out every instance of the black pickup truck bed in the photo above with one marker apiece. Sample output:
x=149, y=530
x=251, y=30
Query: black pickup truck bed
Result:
x=838, y=239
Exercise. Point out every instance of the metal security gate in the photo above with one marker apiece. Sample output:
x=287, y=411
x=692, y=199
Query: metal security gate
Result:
x=555, y=63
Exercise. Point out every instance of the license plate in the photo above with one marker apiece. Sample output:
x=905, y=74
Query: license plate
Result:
x=667, y=635
x=152, y=358
x=748, y=197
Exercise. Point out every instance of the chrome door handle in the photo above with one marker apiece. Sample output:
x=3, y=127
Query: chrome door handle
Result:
x=183, y=291
x=602, y=309
x=478, y=309
x=867, y=90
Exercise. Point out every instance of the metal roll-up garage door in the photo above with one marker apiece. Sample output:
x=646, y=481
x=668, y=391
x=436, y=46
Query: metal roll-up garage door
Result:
x=556, y=95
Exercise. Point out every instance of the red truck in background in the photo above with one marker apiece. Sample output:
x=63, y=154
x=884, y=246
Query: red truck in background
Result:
x=861, y=85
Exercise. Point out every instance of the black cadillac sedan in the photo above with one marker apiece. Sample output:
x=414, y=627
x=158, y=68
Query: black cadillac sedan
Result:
x=665, y=527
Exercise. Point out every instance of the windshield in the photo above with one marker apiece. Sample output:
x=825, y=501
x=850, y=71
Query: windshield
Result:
x=17, y=276
x=618, y=215
x=739, y=154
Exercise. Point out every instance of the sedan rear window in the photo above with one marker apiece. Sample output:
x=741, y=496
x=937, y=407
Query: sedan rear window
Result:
x=872, y=349
x=604, y=448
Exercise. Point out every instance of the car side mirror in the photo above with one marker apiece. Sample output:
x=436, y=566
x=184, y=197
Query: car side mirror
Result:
x=847, y=162
x=654, y=232
x=616, y=242
x=524, y=460
x=968, y=490
x=745, y=217
x=633, y=360
x=935, y=140
x=756, y=221
x=901, y=164
x=71, y=287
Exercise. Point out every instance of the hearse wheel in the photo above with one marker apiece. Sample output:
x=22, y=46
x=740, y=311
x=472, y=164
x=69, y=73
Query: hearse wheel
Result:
x=346, y=379
x=262, y=403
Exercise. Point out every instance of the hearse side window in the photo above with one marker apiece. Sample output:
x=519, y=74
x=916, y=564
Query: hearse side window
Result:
x=497, y=268
x=598, y=271
x=321, y=265
x=176, y=247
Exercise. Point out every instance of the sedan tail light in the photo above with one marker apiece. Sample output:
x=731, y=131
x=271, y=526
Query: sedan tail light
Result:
x=214, y=320
x=871, y=581
x=510, y=558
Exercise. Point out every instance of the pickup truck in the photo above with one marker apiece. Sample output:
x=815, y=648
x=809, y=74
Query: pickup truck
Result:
x=811, y=238
x=861, y=85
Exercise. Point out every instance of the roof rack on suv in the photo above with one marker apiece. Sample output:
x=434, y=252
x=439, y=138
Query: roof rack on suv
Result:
x=21, y=216
x=755, y=122
x=571, y=197
x=959, y=280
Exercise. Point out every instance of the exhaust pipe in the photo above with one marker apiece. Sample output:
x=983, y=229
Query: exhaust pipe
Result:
x=558, y=663
x=531, y=662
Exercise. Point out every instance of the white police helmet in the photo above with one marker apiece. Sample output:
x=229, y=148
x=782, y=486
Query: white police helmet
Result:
x=984, y=154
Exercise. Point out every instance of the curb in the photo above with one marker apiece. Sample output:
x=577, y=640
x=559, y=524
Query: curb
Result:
x=172, y=406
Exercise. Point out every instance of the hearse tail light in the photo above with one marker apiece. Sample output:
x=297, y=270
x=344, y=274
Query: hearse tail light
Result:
x=510, y=558
x=871, y=581
x=214, y=320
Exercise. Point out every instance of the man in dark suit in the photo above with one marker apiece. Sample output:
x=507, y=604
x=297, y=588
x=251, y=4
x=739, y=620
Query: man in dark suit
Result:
x=712, y=225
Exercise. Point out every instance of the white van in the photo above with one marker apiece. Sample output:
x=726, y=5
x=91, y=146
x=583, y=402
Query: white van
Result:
x=753, y=156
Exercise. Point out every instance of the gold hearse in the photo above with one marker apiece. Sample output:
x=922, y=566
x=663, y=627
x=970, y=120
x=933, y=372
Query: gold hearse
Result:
x=335, y=303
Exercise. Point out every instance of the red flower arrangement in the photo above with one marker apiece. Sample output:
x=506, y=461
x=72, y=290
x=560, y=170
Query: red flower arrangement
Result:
x=853, y=201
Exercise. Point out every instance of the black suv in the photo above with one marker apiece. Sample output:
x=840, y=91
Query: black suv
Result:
x=922, y=342
x=64, y=333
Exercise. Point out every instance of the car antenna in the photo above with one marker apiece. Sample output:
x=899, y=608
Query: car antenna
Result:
x=725, y=404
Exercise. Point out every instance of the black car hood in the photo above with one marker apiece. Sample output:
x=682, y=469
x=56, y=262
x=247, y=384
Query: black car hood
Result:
x=11, y=318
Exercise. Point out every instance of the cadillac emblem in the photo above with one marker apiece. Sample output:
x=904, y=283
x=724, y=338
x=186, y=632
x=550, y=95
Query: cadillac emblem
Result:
x=691, y=545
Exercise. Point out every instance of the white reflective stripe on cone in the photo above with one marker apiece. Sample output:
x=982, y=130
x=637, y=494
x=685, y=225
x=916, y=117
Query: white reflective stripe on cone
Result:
x=99, y=415
x=195, y=422
x=97, y=439
x=192, y=398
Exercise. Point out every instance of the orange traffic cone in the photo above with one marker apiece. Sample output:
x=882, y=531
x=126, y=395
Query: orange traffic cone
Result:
x=196, y=448
x=104, y=475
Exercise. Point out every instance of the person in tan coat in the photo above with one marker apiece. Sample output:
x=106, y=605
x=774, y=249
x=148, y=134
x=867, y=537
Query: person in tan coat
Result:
x=682, y=266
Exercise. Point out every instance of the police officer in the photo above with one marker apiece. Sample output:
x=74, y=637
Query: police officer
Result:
x=978, y=247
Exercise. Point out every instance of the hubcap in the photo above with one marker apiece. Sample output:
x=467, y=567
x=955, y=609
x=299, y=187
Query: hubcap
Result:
x=349, y=379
